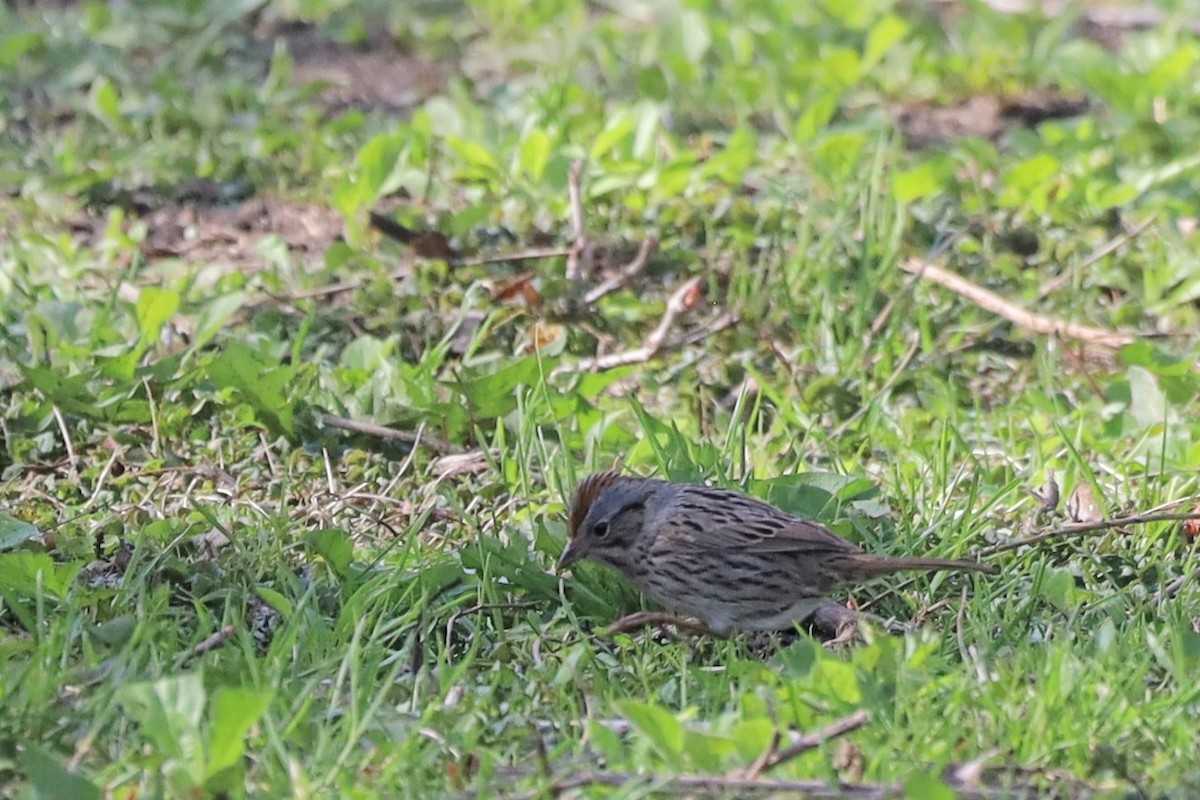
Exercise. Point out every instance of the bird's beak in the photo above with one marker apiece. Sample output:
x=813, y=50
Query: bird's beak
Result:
x=570, y=554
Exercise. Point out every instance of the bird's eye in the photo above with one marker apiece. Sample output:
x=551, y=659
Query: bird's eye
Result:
x=600, y=529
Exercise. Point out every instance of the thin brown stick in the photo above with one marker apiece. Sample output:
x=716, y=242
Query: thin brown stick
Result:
x=626, y=274
x=531, y=254
x=736, y=786
x=814, y=739
x=72, y=459
x=575, y=197
x=713, y=784
x=439, y=446
x=213, y=642
x=1086, y=529
x=990, y=301
x=759, y=764
x=681, y=300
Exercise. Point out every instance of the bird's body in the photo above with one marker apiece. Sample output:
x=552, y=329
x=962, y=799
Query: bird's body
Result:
x=734, y=562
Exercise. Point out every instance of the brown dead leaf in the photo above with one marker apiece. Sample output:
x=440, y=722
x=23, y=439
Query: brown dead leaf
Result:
x=543, y=335
x=1191, y=527
x=1082, y=505
x=519, y=288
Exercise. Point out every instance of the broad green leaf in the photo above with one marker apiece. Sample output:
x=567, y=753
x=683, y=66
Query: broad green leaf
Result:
x=620, y=127
x=1147, y=403
x=697, y=38
x=1057, y=587
x=22, y=572
x=275, y=600
x=106, y=103
x=883, y=36
x=377, y=161
x=535, y=154
x=473, y=153
x=1032, y=172
x=913, y=184
x=168, y=713
x=14, y=532
x=816, y=115
x=838, y=680
x=492, y=396
x=731, y=163
x=52, y=780
x=234, y=712
x=114, y=632
x=657, y=724
x=214, y=315
x=923, y=786
x=705, y=750
x=263, y=382
x=154, y=308
x=334, y=546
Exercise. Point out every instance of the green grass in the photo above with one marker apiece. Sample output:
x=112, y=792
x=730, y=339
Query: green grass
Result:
x=176, y=208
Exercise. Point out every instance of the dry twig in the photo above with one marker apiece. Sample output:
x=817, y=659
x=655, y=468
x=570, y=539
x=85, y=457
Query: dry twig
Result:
x=439, y=446
x=809, y=741
x=1086, y=529
x=682, y=299
x=1038, y=323
x=627, y=273
x=213, y=642
x=575, y=197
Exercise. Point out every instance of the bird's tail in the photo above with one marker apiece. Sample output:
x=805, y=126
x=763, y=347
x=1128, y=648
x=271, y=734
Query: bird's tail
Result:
x=883, y=565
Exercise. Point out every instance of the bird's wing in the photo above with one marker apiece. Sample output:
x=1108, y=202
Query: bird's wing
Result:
x=717, y=519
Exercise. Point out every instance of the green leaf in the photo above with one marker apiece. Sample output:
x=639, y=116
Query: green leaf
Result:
x=1032, y=172
x=697, y=38
x=923, y=786
x=816, y=115
x=493, y=395
x=114, y=632
x=264, y=383
x=535, y=154
x=154, y=308
x=168, y=713
x=913, y=184
x=657, y=724
x=1057, y=587
x=473, y=153
x=838, y=680
x=705, y=750
x=214, y=315
x=275, y=600
x=883, y=36
x=71, y=393
x=377, y=161
x=106, y=103
x=620, y=127
x=53, y=781
x=335, y=546
x=15, y=532
x=23, y=572
x=731, y=163
x=234, y=712
x=1147, y=403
